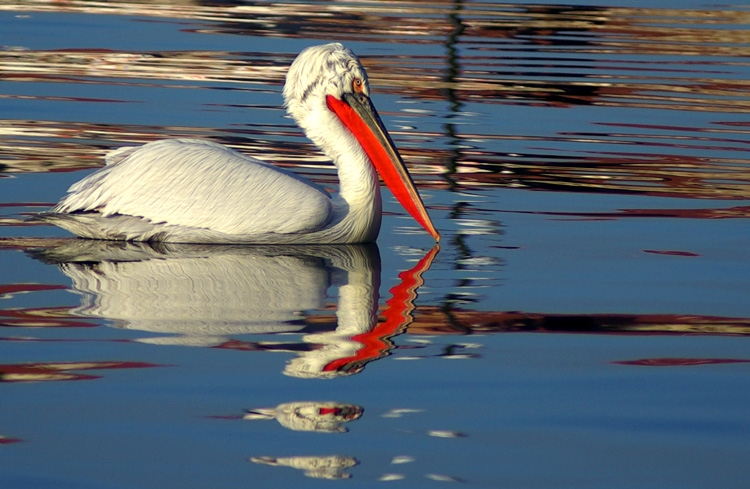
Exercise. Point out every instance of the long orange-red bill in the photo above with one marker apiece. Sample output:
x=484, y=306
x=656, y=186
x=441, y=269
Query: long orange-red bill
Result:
x=360, y=117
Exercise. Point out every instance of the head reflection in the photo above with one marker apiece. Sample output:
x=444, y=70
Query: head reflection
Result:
x=317, y=416
x=200, y=295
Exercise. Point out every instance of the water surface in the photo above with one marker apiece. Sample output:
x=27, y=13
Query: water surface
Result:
x=584, y=322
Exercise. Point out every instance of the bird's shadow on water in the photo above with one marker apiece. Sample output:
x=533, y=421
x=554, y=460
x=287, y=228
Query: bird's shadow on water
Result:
x=203, y=295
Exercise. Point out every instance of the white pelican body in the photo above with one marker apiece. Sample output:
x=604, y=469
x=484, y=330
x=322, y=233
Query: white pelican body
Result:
x=195, y=191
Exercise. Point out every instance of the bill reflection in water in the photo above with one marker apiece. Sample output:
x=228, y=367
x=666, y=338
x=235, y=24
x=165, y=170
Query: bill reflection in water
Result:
x=200, y=295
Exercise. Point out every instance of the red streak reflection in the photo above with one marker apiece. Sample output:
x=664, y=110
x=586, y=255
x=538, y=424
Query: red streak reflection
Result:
x=397, y=317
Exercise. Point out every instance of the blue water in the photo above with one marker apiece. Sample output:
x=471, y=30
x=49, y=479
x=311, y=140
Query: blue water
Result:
x=584, y=324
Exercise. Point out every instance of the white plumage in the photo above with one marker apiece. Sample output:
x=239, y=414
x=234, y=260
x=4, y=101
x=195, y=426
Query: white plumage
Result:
x=195, y=191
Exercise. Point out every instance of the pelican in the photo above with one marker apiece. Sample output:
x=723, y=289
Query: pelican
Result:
x=196, y=191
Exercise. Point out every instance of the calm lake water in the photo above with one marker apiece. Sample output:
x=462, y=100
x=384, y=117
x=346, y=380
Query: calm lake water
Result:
x=585, y=322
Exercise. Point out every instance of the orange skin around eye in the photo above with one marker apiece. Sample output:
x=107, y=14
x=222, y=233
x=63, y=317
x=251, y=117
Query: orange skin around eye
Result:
x=357, y=85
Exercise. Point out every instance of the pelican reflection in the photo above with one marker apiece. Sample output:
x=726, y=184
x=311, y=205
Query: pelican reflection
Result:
x=199, y=295
x=317, y=416
x=316, y=467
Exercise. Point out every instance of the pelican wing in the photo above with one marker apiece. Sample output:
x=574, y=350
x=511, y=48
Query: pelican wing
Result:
x=200, y=184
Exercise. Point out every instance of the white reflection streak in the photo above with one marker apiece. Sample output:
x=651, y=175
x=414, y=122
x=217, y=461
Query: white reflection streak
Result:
x=202, y=293
x=356, y=313
x=197, y=295
x=200, y=298
x=312, y=416
x=317, y=467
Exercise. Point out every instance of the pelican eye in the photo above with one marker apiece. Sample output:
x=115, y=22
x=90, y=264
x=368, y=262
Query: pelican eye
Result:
x=358, y=86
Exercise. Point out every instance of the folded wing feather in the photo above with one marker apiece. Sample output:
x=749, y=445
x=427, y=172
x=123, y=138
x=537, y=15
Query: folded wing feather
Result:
x=200, y=184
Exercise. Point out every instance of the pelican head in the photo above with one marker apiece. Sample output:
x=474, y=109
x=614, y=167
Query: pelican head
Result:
x=328, y=94
x=318, y=71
